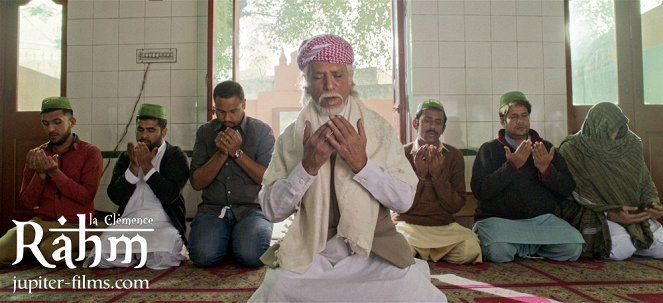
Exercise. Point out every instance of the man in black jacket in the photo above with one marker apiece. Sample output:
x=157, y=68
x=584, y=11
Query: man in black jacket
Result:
x=147, y=186
x=519, y=180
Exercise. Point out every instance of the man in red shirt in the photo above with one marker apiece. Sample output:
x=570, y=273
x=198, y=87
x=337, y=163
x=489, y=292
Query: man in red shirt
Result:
x=60, y=180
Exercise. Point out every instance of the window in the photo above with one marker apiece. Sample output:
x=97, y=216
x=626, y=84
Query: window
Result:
x=256, y=42
x=601, y=44
x=39, y=53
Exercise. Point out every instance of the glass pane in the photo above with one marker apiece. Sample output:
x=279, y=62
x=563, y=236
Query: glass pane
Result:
x=652, y=50
x=270, y=32
x=39, y=53
x=223, y=40
x=593, y=51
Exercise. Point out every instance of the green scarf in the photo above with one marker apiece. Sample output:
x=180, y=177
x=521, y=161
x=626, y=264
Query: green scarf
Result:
x=609, y=173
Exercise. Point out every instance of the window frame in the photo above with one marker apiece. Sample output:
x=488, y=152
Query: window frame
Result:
x=399, y=68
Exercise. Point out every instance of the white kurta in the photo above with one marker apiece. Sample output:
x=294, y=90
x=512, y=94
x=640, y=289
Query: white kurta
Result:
x=164, y=244
x=337, y=274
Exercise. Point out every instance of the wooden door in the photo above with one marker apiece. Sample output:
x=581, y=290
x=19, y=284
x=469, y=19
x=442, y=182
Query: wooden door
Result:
x=21, y=130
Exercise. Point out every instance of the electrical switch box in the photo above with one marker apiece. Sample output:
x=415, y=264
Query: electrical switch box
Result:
x=156, y=55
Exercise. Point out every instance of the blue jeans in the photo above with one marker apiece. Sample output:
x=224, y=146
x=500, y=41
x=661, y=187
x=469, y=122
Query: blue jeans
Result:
x=211, y=237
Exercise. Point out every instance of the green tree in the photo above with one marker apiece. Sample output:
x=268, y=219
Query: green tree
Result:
x=366, y=24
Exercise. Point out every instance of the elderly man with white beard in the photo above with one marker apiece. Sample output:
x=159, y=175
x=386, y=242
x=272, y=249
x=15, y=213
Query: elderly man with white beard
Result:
x=339, y=181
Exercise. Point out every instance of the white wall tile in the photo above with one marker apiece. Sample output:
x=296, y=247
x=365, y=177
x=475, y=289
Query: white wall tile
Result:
x=158, y=83
x=79, y=9
x=106, y=8
x=184, y=29
x=425, y=54
x=83, y=131
x=182, y=135
x=451, y=28
x=79, y=58
x=455, y=107
x=478, y=133
x=503, y=28
x=129, y=83
x=552, y=7
x=555, y=107
x=202, y=83
x=452, y=81
x=528, y=7
x=125, y=110
x=455, y=133
x=539, y=127
x=451, y=7
x=479, y=81
x=202, y=30
x=478, y=54
x=186, y=8
x=479, y=108
x=504, y=54
x=105, y=58
x=79, y=84
x=132, y=9
x=504, y=80
x=187, y=56
x=157, y=30
x=530, y=54
x=530, y=80
x=202, y=7
x=554, y=54
x=201, y=53
x=104, y=136
x=529, y=28
x=556, y=131
x=104, y=85
x=426, y=80
x=452, y=54
x=82, y=110
x=538, y=107
x=127, y=57
x=424, y=28
x=183, y=83
x=106, y=31
x=503, y=8
x=554, y=80
x=104, y=111
x=477, y=28
x=477, y=7
x=182, y=110
x=132, y=31
x=158, y=8
x=79, y=32
x=425, y=7
x=553, y=29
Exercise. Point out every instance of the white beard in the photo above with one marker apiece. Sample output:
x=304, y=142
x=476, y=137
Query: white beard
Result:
x=328, y=112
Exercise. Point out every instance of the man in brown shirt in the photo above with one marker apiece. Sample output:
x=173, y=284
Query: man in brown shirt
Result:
x=429, y=225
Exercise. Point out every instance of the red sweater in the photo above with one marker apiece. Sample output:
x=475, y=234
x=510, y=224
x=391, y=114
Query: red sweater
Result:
x=71, y=191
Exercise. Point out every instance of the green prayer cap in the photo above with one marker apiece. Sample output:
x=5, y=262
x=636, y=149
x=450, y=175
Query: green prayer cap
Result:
x=148, y=110
x=511, y=97
x=55, y=103
x=430, y=103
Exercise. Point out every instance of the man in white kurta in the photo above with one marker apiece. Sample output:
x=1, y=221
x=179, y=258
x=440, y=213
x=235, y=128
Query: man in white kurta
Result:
x=339, y=181
x=146, y=185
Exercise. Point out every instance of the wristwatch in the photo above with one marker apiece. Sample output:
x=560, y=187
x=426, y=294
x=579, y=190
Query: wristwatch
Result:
x=237, y=154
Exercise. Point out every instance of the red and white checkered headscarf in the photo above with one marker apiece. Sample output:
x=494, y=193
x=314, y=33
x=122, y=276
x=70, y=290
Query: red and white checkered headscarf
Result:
x=327, y=48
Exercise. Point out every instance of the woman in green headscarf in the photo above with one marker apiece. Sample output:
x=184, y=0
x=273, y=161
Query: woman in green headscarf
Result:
x=615, y=205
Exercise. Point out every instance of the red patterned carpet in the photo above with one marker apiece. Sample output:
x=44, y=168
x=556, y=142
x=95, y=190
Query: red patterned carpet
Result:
x=526, y=280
